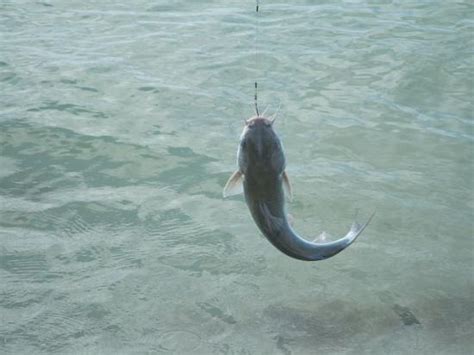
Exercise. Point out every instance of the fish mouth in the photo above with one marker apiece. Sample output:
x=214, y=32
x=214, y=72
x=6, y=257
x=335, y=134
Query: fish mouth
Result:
x=259, y=119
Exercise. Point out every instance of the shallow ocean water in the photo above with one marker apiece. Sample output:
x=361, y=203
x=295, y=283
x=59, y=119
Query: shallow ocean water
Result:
x=119, y=123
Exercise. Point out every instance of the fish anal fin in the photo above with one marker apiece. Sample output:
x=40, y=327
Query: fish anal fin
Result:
x=323, y=237
x=291, y=219
x=234, y=185
x=287, y=186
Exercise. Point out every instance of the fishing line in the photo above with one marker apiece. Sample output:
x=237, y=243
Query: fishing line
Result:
x=256, y=56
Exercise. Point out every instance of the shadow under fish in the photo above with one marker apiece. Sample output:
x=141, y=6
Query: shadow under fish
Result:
x=406, y=316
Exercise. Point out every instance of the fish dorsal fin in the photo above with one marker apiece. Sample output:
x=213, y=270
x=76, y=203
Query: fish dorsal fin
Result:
x=287, y=187
x=234, y=185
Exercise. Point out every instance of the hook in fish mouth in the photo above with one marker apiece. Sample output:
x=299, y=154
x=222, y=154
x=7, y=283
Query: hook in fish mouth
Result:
x=262, y=177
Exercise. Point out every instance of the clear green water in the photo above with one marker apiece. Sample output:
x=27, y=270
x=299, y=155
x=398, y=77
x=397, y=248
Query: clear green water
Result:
x=119, y=122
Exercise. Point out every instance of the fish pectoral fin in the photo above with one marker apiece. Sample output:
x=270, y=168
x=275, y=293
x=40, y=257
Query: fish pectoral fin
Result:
x=287, y=187
x=234, y=185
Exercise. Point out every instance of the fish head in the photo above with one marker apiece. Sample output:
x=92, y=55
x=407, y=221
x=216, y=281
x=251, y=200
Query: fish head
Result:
x=260, y=149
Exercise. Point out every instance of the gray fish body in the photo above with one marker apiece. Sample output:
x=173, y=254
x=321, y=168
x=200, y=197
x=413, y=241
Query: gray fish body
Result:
x=261, y=161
